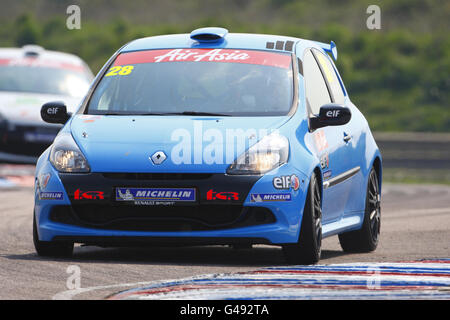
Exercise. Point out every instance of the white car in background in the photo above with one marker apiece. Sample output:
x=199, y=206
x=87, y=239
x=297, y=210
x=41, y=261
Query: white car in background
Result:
x=29, y=77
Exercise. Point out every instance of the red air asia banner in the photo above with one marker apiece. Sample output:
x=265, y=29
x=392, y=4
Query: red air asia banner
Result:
x=264, y=58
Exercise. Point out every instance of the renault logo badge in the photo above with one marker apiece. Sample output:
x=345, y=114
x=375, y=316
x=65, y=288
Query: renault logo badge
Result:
x=158, y=157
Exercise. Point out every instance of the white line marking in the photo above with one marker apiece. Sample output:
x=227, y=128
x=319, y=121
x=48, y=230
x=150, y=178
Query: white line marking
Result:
x=69, y=294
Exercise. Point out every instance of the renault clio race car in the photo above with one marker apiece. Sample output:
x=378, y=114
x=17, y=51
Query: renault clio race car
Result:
x=211, y=138
x=30, y=76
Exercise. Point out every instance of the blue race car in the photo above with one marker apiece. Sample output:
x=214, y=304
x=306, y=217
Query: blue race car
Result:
x=211, y=138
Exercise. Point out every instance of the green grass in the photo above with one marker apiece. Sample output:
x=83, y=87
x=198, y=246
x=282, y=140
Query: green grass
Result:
x=398, y=76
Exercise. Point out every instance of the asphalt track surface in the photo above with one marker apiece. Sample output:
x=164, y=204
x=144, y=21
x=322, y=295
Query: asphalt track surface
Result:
x=415, y=226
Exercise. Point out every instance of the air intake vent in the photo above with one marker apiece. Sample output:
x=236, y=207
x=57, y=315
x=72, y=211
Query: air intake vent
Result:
x=32, y=50
x=211, y=34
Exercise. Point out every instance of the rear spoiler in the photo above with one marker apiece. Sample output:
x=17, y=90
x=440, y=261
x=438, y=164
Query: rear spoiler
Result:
x=330, y=48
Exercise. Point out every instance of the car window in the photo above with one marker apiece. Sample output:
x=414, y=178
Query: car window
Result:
x=36, y=76
x=316, y=89
x=177, y=81
x=330, y=75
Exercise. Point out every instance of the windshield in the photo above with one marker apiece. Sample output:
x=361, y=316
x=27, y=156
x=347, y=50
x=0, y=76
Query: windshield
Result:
x=196, y=81
x=47, y=78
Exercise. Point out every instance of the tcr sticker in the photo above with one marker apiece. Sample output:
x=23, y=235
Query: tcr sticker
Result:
x=88, y=195
x=224, y=195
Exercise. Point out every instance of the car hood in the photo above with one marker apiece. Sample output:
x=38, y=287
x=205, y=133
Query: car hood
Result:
x=25, y=108
x=127, y=143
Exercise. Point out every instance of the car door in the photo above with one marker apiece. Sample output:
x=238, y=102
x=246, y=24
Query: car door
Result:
x=331, y=143
x=355, y=138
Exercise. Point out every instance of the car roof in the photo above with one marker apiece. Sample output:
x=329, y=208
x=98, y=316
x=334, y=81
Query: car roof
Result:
x=232, y=41
x=40, y=53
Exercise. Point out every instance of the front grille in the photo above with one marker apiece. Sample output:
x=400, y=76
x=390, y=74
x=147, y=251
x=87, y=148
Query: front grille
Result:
x=162, y=218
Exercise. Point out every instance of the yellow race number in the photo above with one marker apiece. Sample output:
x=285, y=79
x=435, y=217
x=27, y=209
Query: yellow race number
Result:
x=119, y=70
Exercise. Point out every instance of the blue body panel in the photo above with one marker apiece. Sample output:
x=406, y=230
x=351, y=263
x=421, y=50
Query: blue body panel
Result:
x=118, y=144
x=138, y=137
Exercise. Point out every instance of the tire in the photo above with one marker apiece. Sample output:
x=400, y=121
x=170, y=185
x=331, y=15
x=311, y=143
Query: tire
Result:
x=366, y=239
x=308, y=248
x=49, y=248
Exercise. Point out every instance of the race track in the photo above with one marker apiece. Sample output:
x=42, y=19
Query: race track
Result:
x=415, y=226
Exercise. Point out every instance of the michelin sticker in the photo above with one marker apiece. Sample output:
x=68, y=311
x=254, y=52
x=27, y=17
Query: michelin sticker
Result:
x=51, y=196
x=263, y=197
x=155, y=196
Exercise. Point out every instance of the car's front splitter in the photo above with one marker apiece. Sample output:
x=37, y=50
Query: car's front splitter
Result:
x=225, y=208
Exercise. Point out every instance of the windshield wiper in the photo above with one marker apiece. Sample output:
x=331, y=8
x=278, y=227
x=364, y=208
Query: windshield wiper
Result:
x=199, y=113
x=184, y=113
x=112, y=114
x=135, y=114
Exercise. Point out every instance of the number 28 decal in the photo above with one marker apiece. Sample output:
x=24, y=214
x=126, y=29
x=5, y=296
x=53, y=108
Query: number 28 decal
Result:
x=119, y=70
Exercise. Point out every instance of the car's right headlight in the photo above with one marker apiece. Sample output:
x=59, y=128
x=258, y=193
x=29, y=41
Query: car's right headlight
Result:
x=66, y=156
x=269, y=153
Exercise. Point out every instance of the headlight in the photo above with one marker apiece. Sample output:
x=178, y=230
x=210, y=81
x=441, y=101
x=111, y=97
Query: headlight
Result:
x=269, y=153
x=65, y=155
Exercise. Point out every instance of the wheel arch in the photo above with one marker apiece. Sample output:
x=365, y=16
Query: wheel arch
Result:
x=377, y=165
x=318, y=172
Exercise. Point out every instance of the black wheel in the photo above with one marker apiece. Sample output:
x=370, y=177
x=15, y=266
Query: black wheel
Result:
x=308, y=248
x=49, y=248
x=366, y=239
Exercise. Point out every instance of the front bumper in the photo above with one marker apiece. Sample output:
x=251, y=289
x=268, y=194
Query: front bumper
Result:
x=104, y=220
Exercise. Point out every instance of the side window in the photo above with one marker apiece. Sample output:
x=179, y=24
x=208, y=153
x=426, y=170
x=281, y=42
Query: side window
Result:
x=316, y=89
x=339, y=77
x=330, y=75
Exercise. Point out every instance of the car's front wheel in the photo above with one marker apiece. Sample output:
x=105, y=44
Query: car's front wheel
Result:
x=308, y=248
x=366, y=239
x=50, y=248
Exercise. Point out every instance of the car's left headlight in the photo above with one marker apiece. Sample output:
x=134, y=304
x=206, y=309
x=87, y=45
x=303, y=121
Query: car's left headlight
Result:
x=66, y=156
x=269, y=153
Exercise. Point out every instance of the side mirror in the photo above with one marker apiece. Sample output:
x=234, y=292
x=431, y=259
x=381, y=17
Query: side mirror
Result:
x=331, y=114
x=55, y=112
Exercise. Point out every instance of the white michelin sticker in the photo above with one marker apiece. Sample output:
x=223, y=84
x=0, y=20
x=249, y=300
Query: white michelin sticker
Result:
x=263, y=197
